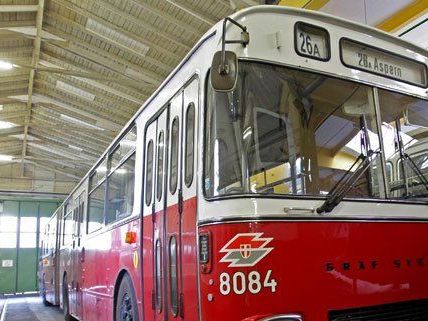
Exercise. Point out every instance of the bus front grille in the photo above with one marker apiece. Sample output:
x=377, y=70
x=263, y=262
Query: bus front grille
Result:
x=402, y=311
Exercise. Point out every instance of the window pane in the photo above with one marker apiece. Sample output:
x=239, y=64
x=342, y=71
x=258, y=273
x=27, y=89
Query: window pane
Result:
x=149, y=177
x=158, y=273
x=121, y=191
x=285, y=131
x=160, y=166
x=43, y=222
x=8, y=223
x=173, y=274
x=98, y=175
x=174, y=156
x=7, y=240
x=96, y=208
x=405, y=139
x=68, y=228
x=190, y=137
x=125, y=146
x=28, y=224
x=27, y=240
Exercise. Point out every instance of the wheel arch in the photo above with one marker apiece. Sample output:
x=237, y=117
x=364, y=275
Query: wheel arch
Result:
x=119, y=279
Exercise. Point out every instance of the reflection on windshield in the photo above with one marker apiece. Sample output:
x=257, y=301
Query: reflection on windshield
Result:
x=284, y=131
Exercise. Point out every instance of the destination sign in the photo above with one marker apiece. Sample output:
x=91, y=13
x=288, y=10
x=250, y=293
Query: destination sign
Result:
x=376, y=61
x=311, y=41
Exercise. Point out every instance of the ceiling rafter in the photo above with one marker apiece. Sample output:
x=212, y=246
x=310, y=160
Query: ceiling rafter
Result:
x=116, y=28
x=111, y=74
x=146, y=75
x=204, y=17
x=18, y=8
x=180, y=42
x=165, y=67
x=34, y=62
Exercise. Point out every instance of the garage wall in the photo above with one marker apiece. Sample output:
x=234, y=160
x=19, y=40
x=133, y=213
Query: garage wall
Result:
x=20, y=223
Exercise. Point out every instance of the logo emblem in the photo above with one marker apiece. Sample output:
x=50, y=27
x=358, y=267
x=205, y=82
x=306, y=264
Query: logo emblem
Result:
x=246, y=249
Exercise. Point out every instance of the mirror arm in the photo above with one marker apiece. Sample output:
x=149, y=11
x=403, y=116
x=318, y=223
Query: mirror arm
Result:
x=224, y=69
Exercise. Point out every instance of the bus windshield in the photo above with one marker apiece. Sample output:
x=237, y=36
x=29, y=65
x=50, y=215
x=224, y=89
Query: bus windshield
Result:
x=284, y=131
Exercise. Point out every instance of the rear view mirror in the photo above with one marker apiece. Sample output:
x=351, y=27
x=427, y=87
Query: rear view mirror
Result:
x=224, y=72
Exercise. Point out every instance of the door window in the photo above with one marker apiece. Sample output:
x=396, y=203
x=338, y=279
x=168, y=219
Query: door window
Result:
x=149, y=177
x=174, y=155
x=173, y=274
x=189, y=145
x=158, y=274
x=160, y=165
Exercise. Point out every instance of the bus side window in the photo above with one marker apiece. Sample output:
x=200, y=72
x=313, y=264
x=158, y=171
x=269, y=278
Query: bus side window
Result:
x=149, y=176
x=96, y=200
x=174, y=156
x=121, y=178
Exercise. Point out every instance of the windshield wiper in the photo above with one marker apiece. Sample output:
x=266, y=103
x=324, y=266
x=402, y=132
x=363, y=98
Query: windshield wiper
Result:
x=405, y=158
x=415, y=168
x=347, y=181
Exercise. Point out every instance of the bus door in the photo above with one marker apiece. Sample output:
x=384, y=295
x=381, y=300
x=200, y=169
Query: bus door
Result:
x=173, y=216
x=78, y=257
x=188, y=216
x=159, y=138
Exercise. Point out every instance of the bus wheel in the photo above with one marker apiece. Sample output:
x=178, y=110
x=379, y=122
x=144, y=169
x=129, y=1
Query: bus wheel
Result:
x=65, y=302
x=126, y=303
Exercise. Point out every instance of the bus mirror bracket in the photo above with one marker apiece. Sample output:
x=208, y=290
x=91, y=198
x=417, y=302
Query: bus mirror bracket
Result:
x=224, y=67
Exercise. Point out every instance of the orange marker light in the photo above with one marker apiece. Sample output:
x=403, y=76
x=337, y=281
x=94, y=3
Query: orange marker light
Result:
x=131, y=237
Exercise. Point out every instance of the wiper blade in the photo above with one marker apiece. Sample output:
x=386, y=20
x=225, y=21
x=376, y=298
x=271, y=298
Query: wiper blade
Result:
x=347, y=181
x=416, y=169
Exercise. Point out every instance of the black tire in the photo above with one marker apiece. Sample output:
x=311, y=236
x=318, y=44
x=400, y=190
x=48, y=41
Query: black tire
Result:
x=65, y=302
x=126, y=302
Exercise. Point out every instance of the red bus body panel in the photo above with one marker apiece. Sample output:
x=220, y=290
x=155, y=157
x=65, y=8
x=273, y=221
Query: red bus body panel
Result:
x=322, y=266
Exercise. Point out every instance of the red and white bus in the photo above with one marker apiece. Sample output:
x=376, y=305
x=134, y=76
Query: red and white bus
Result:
x=254, y=184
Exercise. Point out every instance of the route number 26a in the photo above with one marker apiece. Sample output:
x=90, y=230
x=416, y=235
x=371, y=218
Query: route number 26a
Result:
x=239, y=282
x=307, y=46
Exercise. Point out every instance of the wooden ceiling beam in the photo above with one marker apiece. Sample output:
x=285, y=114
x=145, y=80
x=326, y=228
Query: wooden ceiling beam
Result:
x=165, y=67
x=168, y=18
x=18, y=8
x=179, y=42
x=17, y=23
x=204, y=17
x=88, y=15
x=34, y=62
x=102, y=118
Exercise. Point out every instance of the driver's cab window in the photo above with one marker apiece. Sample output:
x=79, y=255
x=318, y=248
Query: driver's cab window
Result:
x=405, y=140
x=285, y=131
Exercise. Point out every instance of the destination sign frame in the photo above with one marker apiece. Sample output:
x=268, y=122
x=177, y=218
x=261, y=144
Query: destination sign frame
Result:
x=298, y=46
x=382, y=63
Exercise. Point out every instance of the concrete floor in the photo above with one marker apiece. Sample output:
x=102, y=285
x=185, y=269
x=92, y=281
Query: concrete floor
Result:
x=30, y=309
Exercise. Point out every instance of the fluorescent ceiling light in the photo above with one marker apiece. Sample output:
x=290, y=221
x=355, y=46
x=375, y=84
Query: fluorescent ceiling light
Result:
x=74, y=90
x=1, y=107
x=5, y=158
x=79, y=122
x=6, y=124
x=117, y=37
x=75, y=148
x=4, y=65
x=21, y=136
